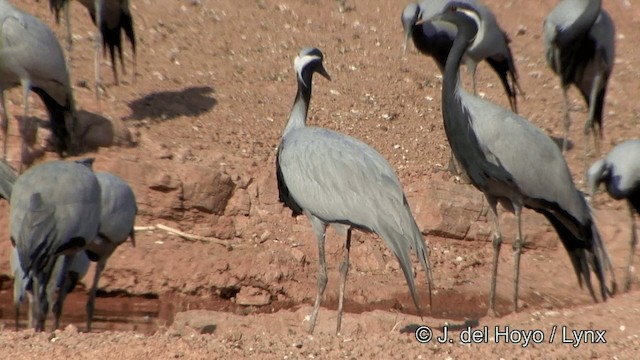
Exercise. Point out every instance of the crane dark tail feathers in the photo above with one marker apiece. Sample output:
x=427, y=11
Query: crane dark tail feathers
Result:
x=112, y=38
x=584, y=253
x=596, y=125
x=508, y=77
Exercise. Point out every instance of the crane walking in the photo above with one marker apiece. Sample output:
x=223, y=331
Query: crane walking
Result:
x=31, y=57
x=579, y=45
x=513, y=162
x=336, y=179
x=491, y=44
x=620, y=173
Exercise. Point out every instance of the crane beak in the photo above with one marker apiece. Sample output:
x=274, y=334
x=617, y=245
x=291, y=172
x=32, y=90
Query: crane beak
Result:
x=407, y=33
x=322, y=71
x=435, y=17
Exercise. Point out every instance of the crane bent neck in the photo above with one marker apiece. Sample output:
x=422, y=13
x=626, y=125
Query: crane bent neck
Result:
x=583, y=23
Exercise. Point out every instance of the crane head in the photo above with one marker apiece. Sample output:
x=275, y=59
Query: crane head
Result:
x=410, y=16
x=461, y=14
x=309, y=61
x=596, y=174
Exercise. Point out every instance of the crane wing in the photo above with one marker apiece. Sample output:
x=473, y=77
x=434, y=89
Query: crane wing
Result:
x=338, y=178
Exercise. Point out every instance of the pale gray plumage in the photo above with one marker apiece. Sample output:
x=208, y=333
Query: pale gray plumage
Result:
x=55, y=211
x=335, y=179
x=114, y=19
x=513, y=162
x=620, y=173
x=118, y=210
x=579, y=45
x=79, y=265
x=491, y=43
x=117, y=219
x=30, y=56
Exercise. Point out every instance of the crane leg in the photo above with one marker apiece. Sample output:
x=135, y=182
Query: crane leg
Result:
x=31, y=311
x=5, y=126
x=320, y=230
x=517, y=249
x=67, y=19
x=471, y=70
x=633, y=242
x=344, y=269
x=26, y=89
x=17, y=305
x=40, y=305
x=497, y=242
x=96, y=45
x=566, y=121
x=91, y=302
x=456, y=170
x=590, y=127
x=62, y=291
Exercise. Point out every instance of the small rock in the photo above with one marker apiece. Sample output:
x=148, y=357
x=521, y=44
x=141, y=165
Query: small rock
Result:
x=298, y=255
x=265, y=236
x=252, y=296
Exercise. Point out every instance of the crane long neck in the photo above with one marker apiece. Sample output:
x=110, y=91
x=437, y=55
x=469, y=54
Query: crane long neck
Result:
x=457, y=119
x=451, y=104
x=298, y=116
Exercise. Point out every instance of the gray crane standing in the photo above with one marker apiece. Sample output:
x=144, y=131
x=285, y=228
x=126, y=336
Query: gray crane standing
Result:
x=579, y=40
x=118, y=211
x=55, y=211
x=114, y=19
x=30, y=56
x=513, y=162
x=620, y=173
x=336, y=179
x=491, y=44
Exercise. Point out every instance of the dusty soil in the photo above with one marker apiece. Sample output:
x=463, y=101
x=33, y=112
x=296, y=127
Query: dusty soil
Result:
x=195, y=134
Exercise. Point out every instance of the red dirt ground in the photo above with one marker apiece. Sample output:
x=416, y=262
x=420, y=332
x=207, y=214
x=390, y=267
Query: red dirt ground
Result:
x=213, y=90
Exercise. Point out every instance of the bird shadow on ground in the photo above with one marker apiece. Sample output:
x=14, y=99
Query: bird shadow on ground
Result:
x=92, y=132
x=167, y=105
x=95, y=131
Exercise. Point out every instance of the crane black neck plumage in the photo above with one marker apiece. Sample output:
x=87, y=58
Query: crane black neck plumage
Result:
x=457, y=120
x=304, y=74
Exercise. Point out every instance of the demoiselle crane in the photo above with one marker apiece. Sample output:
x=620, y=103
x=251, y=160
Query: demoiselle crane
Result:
x=579, y=45
x=30, y=56
x=54, y=211
x=118, y=211
x=336, y=179
x=620, y=172
x=513, y=162
x=491, y=44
